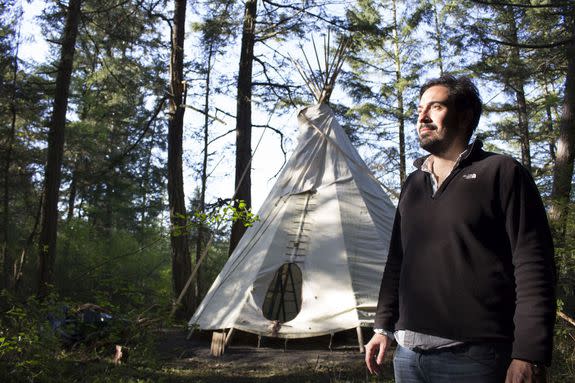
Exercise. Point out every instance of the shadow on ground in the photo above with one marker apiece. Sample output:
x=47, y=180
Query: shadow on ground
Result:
x=309, y=361
x=175, y=359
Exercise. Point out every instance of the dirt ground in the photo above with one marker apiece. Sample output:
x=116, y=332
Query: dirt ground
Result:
x=274, y=361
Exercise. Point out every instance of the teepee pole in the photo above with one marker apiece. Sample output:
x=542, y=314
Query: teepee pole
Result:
x=191, y=278
x=323, y=72
x=327, y=67
x=322, y=81
x=360, y=339
x=326, y=46
x=307, y=80
x=313, y=77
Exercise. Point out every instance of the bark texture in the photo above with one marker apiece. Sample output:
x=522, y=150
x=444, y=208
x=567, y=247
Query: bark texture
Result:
x=399, y=89
x=53, y=169
x=179, y=239
x=565, y=156
x=244, y=119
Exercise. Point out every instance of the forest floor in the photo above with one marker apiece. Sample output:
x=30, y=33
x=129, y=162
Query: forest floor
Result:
x=166, y=355
x=183, y=360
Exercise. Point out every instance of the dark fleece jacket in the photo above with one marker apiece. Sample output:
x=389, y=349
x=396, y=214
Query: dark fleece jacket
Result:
x=474, y=261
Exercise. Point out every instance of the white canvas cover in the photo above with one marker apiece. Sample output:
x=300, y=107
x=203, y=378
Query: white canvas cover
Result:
x=327, y=197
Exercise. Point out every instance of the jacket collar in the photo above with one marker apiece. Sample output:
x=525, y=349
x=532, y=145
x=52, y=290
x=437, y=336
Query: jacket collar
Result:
x=469, y=154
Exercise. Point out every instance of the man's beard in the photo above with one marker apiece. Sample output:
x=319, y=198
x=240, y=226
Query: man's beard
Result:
x=433, y=144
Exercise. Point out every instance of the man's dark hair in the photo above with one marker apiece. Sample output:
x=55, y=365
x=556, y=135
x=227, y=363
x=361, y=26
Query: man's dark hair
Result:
x=463, y=94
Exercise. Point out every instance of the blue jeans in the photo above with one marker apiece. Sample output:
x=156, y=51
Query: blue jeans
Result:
x=472, y=363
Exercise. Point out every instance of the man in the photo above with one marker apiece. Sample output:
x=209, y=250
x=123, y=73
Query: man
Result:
x=468, y=291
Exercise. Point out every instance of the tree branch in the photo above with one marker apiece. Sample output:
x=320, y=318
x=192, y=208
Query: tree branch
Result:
x=305, y=10
x=118, y=159
x=221, y=136
x=276, y=85
x=275, y=28
x=289, y=89
x=268, y=126
x=265, y=72
x=502, y=3
x=530, y=46
x=108, y=9
x=204, y=113
x=564, y=316
x=224, y=112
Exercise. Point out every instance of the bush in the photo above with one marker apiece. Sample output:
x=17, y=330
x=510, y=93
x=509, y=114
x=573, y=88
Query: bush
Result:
x=563, y=368
x=27, y=342
x=115, y=267
x=45, y=340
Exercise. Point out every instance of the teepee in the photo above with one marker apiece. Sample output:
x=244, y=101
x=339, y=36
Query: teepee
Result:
x=312, y=264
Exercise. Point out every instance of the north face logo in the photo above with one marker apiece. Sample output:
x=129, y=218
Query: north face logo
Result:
x=470, y=176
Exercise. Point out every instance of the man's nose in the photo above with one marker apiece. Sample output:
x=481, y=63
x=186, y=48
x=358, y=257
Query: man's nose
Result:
x=423, y=117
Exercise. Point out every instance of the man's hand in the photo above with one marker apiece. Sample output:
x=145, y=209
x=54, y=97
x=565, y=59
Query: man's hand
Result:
x=520, y=371
x=375, y=351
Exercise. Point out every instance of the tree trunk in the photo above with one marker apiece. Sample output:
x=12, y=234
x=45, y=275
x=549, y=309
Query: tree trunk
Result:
x=200, y=243
x=517, y=82
x=145, y=188
x=549, y=124
x=7, y=259
x=523, y=122
x=19, y=264
x=563, y=170
x=399, y=90
x=244, y=119
x=438, y=42
x=72, y=193
x=181, y=263
x=53, y=169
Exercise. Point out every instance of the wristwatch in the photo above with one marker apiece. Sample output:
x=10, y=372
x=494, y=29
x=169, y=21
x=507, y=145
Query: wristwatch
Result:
x=538, y=369
x=381, y=331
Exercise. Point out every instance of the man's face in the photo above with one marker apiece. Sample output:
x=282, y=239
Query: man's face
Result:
x=437, y=122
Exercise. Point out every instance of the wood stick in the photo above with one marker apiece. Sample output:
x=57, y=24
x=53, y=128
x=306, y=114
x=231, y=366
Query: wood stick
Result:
x=192, y=276
x=567, y=318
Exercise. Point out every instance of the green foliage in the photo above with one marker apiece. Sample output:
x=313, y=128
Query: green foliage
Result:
x=117, y=268
x=230, y=212
x=113, y=247
x=32, y=350
x=563, y=367
x=26, y=340
x=385, y=61
x=565, y=258
x=565, y=261
x=217, y=216
x=218, y=256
